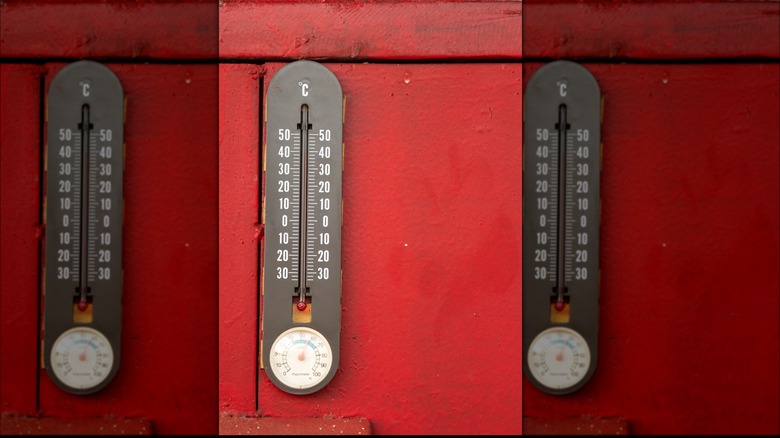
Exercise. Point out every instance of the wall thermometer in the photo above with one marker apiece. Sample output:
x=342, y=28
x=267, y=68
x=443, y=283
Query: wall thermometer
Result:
x=561, y=214
x=83, y=249
x=302, y=217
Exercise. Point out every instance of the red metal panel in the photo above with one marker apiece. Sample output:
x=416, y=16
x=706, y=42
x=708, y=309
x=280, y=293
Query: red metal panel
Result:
x=689, y=241
x=169, y=333
x=115, y=29
x=575, y=426
x=239, y=234
x=431, y=328
x=20, y=185
x=239, y=425
x=16, y=425
x=362, y=31
x=654, y=30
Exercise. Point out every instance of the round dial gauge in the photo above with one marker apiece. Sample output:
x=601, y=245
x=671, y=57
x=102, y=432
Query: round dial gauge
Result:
x=559, y=358
x=301, y=357
x=82, y=358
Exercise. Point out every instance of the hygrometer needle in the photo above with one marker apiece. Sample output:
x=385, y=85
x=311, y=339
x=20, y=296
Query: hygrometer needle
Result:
x=560, y=279
x=85, y=126
x=304, y=127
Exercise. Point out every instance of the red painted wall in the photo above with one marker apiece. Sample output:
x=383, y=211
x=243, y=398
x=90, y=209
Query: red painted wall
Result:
x=240, y=170
x=20, y=185
x=169, y=296
x=161, y=53
x=690, y=240
x=690, y=233
x=431, y=210
x=690, y=221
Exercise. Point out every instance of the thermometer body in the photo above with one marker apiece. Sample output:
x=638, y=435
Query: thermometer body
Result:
x=561, y=214
x=302, y=216
x=83, y=247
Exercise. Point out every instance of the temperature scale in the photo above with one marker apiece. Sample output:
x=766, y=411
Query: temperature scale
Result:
x=561, y=213
x=83, y=216
x=302, y=216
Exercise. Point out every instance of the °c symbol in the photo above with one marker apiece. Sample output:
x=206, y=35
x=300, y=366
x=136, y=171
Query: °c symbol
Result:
x=561, y=88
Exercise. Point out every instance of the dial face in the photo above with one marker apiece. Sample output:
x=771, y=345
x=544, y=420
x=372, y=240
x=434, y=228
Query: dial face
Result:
x=301, y=357
x=559, y=358
x=82, y=358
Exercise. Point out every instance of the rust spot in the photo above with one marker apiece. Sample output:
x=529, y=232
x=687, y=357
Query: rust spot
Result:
x=355, y=50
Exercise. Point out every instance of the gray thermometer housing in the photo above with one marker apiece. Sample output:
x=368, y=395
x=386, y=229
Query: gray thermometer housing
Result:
x=84, y=203
x=302, y=209
x=561, y=209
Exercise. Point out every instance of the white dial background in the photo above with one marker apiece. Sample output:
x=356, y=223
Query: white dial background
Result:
x=559, y=358
x=82, y=357
x=301, y=357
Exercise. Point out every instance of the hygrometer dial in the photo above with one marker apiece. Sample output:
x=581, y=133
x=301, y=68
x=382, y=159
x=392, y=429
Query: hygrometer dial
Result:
x=82, y=358
x=301, y=358
x=559, y=358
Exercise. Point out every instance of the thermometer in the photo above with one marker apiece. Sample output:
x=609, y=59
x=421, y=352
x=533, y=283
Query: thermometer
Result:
x=83, y=247
x=302, y=217
x=561, y=207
